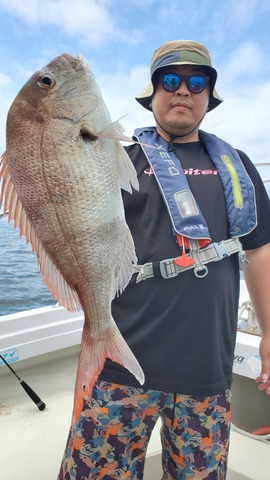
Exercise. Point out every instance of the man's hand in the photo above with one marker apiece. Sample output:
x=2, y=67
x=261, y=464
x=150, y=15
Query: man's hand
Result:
x=264, y=377
x=257, y=276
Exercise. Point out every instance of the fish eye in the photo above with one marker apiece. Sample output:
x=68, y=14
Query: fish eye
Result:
x=45, y=81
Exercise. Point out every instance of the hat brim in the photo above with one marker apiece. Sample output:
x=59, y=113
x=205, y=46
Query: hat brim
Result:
x=145, y=97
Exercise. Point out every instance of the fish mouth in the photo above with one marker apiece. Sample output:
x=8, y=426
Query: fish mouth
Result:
x=75, y=62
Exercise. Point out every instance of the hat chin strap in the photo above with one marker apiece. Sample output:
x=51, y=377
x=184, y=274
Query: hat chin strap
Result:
x=172, y=136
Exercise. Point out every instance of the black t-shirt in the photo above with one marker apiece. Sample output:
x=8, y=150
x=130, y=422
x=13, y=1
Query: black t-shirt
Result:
x=183, y=330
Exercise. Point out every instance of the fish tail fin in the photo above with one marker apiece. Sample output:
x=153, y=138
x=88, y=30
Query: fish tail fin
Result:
x=92, y=358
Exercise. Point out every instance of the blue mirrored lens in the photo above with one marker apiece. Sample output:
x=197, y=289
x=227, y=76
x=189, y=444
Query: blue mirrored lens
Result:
x=171, y=82
x=195, y=83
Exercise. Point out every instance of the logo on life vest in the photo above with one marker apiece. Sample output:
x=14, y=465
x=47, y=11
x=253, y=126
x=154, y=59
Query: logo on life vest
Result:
x=193, y=227
x=149, y=171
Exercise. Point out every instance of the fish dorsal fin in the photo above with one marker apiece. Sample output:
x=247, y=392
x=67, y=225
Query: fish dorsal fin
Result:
x=55, y=282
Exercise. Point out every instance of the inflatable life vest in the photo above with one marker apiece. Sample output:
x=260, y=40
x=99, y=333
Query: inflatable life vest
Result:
x=187, y=220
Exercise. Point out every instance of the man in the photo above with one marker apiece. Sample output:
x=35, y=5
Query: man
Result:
x=199, y=203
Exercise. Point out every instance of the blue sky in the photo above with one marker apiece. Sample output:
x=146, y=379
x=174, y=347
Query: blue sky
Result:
x=118, y=38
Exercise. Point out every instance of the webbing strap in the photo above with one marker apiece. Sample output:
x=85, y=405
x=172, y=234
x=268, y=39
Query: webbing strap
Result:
x=213, y=252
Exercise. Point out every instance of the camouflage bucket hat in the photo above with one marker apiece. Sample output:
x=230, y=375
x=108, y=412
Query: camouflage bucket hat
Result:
x=180, y=52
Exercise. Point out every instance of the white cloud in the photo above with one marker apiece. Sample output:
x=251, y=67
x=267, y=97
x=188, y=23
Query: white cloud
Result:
x=6, y=98
x=242, y=13
x=119, y=93
x=92, y=20
x=214, y=23
x=245, y=60
x=4, y=80
x=243, y=121
x=65, y=12
x=243, y=118
x=143, y=4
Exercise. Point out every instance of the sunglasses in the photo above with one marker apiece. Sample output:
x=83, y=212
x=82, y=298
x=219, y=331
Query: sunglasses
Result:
x=195, y=83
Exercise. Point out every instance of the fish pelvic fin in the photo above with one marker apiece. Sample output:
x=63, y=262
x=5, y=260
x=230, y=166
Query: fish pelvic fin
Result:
x=92, y=359
x=55, y=282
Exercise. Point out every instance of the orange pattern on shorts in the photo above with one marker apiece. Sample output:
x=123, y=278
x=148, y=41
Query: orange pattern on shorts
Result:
x=110, y=439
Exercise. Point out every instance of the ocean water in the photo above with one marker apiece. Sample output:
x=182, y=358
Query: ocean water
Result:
x=21, y=284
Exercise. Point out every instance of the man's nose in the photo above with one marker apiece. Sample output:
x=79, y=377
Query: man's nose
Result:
x=182, y=89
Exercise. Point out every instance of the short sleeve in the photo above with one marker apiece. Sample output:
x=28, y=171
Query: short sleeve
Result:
x=261, y=234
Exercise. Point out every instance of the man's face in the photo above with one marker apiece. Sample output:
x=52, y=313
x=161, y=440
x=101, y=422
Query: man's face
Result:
x=180, y=111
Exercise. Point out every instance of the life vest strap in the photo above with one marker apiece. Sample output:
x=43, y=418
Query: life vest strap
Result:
x=213, y=252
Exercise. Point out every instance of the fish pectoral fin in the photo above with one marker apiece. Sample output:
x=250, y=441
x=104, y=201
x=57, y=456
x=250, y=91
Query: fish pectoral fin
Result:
x=55, y=282
x=92, y=358
x=127, y=173
x=126, y=271
x=114, y=131
x=126, y=170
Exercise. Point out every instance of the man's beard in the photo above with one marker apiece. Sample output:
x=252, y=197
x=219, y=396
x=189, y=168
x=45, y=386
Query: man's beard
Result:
x=176, y=130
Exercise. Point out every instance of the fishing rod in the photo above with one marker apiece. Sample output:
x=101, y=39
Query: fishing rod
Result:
x=39, y=403
x=3, y=214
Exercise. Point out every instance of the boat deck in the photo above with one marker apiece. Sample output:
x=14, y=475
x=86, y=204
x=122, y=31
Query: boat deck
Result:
x=33, y=441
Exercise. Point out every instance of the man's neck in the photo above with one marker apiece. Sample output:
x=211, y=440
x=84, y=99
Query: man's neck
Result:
x=190, y=137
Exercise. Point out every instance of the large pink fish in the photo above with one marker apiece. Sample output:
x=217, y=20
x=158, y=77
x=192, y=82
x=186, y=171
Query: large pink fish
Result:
x=62, y=174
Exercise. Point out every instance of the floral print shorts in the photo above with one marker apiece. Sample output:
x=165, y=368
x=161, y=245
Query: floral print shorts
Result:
x=110, y=439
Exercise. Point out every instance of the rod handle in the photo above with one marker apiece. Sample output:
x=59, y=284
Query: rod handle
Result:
x=39, y=403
